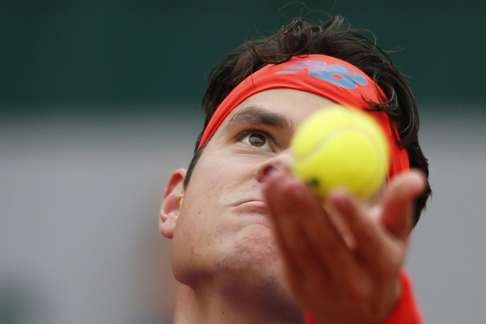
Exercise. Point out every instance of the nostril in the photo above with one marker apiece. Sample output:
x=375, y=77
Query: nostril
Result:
x=266, y=172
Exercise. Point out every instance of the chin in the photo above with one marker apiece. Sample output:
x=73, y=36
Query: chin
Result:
x=253, y=270
x=251, y=252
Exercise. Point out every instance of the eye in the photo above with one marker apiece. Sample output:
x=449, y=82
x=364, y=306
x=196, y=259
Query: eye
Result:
x=256, y=139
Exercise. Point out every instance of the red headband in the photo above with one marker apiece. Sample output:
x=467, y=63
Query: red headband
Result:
x=322, y=75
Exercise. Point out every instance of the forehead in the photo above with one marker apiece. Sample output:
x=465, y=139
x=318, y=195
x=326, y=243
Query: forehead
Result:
x=293, y=105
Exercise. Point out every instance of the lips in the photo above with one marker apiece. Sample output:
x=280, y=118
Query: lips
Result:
x=252, y=206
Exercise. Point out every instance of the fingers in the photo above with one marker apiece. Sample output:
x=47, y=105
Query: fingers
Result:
x=290, y=237
x=319, y=262
x=311, y=242
x=304, y=229
x=397, y=202
x=373, y=249
x=362, y=227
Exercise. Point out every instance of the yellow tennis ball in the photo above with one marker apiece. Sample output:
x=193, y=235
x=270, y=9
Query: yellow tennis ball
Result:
x=341, y=147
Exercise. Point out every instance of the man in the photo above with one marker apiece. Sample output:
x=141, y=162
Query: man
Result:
x=251, y=243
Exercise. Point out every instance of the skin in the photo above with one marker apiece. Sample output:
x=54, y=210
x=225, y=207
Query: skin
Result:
x=252, y=244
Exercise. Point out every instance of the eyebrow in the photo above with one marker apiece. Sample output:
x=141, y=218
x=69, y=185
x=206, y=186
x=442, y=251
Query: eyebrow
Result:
x=260, y=116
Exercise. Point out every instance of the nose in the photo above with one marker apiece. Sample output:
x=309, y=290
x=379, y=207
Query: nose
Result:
x=282, y=162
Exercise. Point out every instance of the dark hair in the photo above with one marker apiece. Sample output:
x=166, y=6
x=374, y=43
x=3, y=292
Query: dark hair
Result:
x=332, y=38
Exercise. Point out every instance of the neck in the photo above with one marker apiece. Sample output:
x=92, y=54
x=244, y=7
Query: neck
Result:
x=231, y=305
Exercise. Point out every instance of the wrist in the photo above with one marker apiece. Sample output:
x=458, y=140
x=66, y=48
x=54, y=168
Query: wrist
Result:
x=403, y=311
x=406, y=310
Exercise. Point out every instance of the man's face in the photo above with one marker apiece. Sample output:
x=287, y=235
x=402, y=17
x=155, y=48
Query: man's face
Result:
x=222, y=229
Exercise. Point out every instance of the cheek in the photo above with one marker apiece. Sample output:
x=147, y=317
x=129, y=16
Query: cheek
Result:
x=199, y=226
x=208, y=233
x=220, y=175
x=254, y=243
x=191, y=245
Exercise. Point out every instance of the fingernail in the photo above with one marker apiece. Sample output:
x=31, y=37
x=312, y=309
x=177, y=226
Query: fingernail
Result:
x=267, y=173
x=339, y=199
x=419, y=182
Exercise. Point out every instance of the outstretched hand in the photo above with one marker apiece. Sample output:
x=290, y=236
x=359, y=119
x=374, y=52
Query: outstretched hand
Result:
x=343, y=257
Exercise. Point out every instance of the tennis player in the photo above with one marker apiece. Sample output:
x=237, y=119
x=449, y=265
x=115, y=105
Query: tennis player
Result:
x=251, y=243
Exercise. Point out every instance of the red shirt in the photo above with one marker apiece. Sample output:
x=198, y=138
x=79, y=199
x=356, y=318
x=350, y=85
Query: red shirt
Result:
x=405, y=312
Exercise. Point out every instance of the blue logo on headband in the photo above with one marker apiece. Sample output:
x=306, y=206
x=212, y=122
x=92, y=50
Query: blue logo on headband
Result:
x=336, y=74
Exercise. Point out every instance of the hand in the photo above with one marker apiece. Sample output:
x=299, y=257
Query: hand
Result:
x=343, y=258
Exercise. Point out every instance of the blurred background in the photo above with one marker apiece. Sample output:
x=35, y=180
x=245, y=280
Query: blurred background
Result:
x=100, y=100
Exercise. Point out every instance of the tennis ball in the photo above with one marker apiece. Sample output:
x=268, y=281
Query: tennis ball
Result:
x=340, y=147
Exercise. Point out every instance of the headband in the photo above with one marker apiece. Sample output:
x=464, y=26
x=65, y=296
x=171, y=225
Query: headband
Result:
x=323, y=75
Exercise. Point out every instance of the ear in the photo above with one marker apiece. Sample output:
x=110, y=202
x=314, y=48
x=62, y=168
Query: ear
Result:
x=171, y=203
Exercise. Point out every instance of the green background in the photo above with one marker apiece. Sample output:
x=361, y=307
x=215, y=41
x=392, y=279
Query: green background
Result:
x=100, y=57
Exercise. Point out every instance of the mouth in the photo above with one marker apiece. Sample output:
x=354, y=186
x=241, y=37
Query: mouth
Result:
x=252, y=206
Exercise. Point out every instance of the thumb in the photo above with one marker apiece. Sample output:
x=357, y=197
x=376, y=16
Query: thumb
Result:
x=398, y=201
